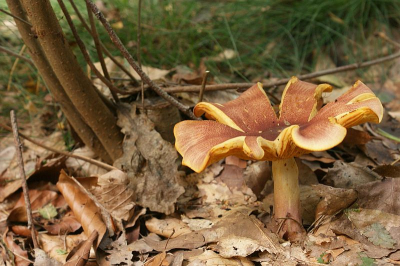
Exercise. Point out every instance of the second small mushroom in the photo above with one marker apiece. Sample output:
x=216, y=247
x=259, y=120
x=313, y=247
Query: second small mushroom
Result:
x=248, y=128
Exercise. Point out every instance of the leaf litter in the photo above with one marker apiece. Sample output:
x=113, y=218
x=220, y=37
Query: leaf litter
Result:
x=156, y=212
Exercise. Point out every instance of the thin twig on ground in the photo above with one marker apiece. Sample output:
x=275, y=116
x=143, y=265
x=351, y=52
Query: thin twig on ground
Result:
x=15, y=17
x=7, y=51
x=25, y=189
x=86, y=55
x=203, y=85
x=244, y=86
x=117, y=42
x=105, y=50
x=68, y=154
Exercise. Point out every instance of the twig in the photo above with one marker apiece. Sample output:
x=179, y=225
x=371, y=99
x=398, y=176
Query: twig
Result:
x=386, y=38
x=115, y=39
x=244, y=86
x=98, y=50
x=105, y=50
x=203, y=85
x=139, y=29
x=7, y=51
x=15, y=17
x=86, y=54
x=105, y=213
x=69, y=154
x=14, y=66
x=18, y=147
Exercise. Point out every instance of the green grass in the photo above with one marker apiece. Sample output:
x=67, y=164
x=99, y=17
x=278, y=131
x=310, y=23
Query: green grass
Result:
x=276, y=38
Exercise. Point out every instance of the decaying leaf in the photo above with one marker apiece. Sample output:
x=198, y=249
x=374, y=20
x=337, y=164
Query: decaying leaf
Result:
x=210, y=258
x=82, y=254
x=168, y=227
x=115, y=193
x=236, y=225
x=58, y=247
x=150, y=163
x=85, y=210
x=344, y=175
x=379, y=236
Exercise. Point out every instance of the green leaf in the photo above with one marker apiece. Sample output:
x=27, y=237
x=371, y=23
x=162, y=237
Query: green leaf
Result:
x=366, y=261
x=379, y=236
x=61, y=251
x=48, y=212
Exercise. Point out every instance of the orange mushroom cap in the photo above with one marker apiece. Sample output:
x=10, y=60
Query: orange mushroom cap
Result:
x=248, y=127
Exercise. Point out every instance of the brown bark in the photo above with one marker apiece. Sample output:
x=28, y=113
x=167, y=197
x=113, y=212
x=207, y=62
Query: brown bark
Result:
x=74, y=81
x=40, y=60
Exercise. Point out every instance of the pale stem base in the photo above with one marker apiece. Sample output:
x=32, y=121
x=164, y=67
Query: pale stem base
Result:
x=287, y=198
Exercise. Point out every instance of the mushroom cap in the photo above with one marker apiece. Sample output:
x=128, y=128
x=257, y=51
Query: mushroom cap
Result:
x=248, y=127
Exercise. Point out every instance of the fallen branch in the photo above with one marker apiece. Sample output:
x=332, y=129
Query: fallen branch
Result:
x=117, y=42
x=244, y=86
x=68, y=154
x=18, y=147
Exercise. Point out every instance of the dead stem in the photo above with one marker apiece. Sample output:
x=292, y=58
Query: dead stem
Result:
x=68, y=154
x=117, y=42
x=7, y=51
x=16, y=17
x=18, y=147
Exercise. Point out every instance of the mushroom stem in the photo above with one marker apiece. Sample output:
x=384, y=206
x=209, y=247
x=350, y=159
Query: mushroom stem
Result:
x=287, y=199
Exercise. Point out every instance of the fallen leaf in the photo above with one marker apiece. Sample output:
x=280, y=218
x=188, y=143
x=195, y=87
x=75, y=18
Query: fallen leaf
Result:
x=42, y=259
x=210, y=258
x=58, y=247
x=48, y=212
x=153, y=171
x=115, y=193
x=81, y=167
x=388, y=170
x=168, y=227
x=378, y=235
x=85, y=210
x=81, y=255
x=333, y=199
x=67, y=224
x=21, y=256
x=349, y=175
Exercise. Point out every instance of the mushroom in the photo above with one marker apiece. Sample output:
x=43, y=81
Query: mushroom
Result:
x=248, y=128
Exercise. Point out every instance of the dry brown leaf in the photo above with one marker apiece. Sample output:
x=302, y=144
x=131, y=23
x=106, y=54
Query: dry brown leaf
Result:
x=85, y=210
x=383, y=195
x=115, y=193
x=168, y=227
x=158, y=260
x=356, y=137
x=67, y=224
x=21, y=256
x=388, y=170
x=81, y=256
x=150, y=162
x=210, y=258
x=333, y=199
x=58, y=247
x=255, y=237
x=42, y=259
x=84, y=168
x=349, y=175
x=256, y=176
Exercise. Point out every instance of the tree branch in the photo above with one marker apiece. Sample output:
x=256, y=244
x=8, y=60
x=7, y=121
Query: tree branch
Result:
x=115, y=39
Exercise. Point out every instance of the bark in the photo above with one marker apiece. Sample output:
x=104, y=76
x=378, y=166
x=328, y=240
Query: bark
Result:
x=40, y=60
x=71, y=76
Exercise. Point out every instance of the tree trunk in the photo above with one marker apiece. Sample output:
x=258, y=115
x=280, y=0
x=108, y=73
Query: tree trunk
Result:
x=76, y=84
x=39, y=58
